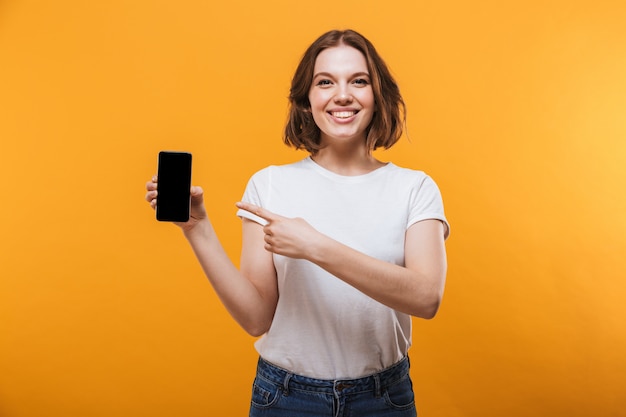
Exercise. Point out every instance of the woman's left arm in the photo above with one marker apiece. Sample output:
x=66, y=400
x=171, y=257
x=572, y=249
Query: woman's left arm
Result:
x=415, y=289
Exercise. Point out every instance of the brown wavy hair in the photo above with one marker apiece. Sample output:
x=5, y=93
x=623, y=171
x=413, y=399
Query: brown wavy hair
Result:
x=388, y=121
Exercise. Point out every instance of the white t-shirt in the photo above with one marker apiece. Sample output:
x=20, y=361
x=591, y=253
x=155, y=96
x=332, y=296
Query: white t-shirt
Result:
x=324, y=328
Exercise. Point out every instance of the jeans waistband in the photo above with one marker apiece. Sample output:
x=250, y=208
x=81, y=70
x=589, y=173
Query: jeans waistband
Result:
x=376, y=382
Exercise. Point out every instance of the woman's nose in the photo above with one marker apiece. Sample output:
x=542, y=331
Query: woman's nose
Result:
x=343, y=96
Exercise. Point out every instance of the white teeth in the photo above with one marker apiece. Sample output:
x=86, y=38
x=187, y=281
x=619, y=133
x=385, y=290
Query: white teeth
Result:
x=343, y=114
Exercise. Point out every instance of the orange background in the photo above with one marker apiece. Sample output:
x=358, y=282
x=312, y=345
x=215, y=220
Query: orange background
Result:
x=517, y=109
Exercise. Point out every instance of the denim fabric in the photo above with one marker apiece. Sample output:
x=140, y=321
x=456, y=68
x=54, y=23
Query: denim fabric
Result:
x=279, y=393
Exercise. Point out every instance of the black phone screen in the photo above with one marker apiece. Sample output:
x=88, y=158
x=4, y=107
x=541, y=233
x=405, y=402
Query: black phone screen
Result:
x=173, y=186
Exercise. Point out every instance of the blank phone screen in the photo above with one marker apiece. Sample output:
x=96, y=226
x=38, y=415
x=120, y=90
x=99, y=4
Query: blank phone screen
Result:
x=174, y=182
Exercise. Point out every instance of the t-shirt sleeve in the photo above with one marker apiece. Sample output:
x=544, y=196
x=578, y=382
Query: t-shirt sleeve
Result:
x=252, y=195
x=426, y=203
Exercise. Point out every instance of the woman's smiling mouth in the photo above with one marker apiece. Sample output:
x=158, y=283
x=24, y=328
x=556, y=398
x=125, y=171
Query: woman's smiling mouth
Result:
x=343, y=114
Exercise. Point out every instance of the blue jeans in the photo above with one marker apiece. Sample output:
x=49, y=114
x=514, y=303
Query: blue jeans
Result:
x=279, y=393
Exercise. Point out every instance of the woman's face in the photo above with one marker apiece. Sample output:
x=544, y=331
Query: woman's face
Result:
x=341, y=96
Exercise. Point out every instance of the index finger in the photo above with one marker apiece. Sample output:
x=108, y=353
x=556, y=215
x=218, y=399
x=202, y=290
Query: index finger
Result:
x=258, y=211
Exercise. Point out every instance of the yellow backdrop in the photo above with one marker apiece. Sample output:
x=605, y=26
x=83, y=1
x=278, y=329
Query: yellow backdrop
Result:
x=516, y=108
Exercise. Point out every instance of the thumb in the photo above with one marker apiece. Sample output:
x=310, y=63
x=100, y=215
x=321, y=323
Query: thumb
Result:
x=196, y=191
x=197, y=195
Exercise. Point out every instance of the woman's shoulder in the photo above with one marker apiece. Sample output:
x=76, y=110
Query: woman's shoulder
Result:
x=413, y=180
x=281, y=170
x=301, y=164
x=407, y=173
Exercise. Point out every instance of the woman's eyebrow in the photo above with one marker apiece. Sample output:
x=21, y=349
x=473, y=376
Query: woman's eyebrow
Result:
x=322, y=74
x=327, y=74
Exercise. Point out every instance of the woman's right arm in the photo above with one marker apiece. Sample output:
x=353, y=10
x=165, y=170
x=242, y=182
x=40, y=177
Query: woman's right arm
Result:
x=250, y=294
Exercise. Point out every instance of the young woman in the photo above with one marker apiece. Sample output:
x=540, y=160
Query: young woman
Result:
x=339, y=249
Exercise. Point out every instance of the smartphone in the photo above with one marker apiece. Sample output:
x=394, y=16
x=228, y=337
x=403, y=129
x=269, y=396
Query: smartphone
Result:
x=173, y=186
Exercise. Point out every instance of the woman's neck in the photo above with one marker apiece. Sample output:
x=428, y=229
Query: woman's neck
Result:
x=348, y=163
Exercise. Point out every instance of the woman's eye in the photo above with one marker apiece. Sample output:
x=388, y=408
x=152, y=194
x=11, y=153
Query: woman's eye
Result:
x=361, y=81
x=323, y=82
